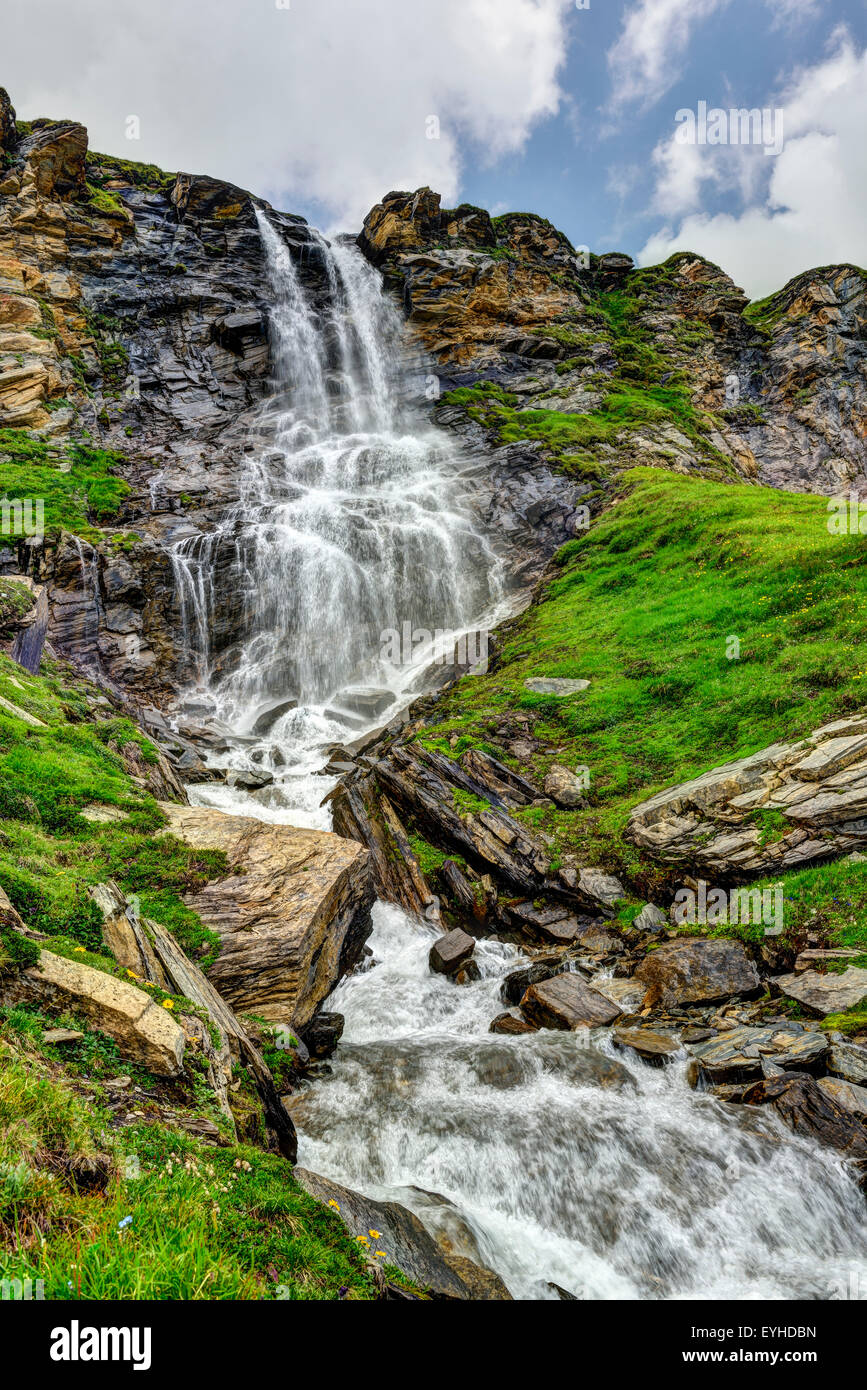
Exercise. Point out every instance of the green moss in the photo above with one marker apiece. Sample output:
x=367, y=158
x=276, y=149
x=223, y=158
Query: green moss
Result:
x=88, y=492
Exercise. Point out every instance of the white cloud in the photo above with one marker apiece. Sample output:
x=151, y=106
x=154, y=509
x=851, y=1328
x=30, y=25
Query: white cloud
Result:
x=645, y=61
x=325, y=100
x=813, y=210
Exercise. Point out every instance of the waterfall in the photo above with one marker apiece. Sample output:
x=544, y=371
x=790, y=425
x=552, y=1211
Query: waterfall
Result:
x=547, y=1157
x=350, y=524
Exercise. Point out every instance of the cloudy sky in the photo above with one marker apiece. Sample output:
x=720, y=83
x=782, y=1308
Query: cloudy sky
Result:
x=569, y=110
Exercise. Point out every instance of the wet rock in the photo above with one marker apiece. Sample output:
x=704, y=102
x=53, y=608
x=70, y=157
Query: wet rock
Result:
x=696, y=971
x=809, y=1110
x=249, y=781
x=741, y=1053
x=566, y=1002
x=322, y=1034
x=511, y=1024
x=482, y=1285
x=402, y=1236
x=365, y=700
x=565, y=787
x=447, y=955
x=555, y=686
x=825, y=994
x=626, y=994
x=266, y=720
x=655, y=1048
x=468, y=974
x=516, y=984
x=292, y=915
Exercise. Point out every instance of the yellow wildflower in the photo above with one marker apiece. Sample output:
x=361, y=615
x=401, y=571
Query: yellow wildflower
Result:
x=168, y=1004
x=377, y=1235
x=334, y=1204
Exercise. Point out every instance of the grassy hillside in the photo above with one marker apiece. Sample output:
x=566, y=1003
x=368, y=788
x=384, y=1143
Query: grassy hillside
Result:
x=645, y=607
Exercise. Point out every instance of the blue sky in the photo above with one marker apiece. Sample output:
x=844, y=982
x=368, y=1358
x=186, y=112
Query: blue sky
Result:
x=323, y=106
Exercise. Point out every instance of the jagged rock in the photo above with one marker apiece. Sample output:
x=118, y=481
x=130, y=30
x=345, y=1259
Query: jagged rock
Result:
x=825, y=994
x=511, y=1025
x=566, y=1002
x=402, y=1236
x=809, y=1110
x=555, y=924
x=655, y=1048
x=292, y=917
x=818, y=785
x=144, y=1032
x=322, y=1034
x=849, y=1062
x=516, y=984
x=564, y=787
x=739, y=1054
x=849, y=1096
x=696, y=971
x=626, y=994
x=650, y=919
x=447, y=955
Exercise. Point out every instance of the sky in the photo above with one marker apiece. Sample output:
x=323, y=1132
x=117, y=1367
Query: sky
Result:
x=589, y=113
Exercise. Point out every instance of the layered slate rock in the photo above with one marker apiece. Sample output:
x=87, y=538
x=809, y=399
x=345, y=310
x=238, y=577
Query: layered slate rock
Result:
x=741, y=1054
x=696, y=972
x=144, y=1032
x=810, y=1110
x=566, y=1002
x=825, y=994
x=292, y=915
x=406, y=1243
x=654, y=1048
x=817, y=785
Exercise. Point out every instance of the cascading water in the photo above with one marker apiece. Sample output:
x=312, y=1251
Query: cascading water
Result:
x=350, y=526
x=544, y=1156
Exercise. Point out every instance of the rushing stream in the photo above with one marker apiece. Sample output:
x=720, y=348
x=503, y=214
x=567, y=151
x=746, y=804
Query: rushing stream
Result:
x=547, y=1157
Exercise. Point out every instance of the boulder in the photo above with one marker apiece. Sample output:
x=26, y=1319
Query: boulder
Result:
x=516, y=984
x=449, y=953
x=322, y=1034
x=292, y=915
x=555, y=685
x=403, y=1238
x=650, y=919
x=626, y=994
x=817, y=785
x=849, y=1062
x=851, y=1097
x=564, y=787
x=655, y=1048
x=825, y=994
x=144, y=1031
x=567, y=1003
x=696, y=971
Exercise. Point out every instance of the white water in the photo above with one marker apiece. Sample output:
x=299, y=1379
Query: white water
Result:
x=352, y=521
x=641, y=1191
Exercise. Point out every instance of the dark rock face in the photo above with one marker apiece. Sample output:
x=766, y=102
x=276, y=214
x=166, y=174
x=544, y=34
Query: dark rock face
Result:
x=8, y=132
x=809, y=1110
x=406, y=1243
x=451, y=952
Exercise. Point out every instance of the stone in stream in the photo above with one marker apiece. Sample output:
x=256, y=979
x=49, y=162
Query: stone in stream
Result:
x=555, y=686
x=826, y=994
x=249, y=781
x=696, y=971
x=406, y=1243
x=740, y=1053
x=654, y=1048
x=366, y=700
x=265, y=721
x=626, y=994
x=449, y=953
x=516, y=984
x=322, y=1034
x=511, y=1024
x=566, y=1002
